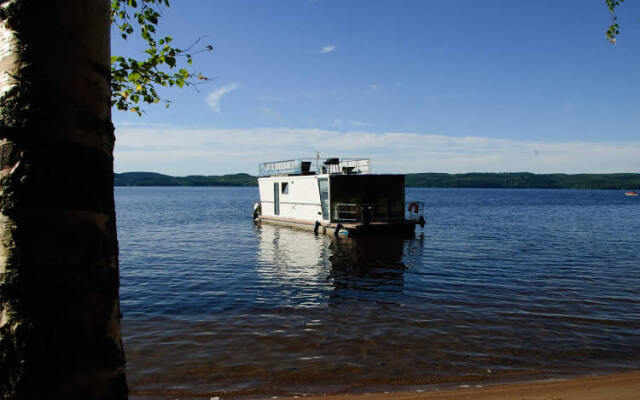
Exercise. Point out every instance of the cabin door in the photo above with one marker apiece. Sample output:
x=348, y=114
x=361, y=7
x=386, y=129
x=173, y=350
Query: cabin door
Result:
x=276, y=198
x=323, y=186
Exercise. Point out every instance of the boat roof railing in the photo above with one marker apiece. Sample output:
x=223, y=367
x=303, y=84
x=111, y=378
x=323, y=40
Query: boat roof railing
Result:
x=313, y=166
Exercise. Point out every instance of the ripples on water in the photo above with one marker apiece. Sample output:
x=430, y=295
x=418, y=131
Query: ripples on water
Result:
x=504, y=284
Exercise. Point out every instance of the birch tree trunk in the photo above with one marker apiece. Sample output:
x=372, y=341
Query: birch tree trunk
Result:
x=59, y=307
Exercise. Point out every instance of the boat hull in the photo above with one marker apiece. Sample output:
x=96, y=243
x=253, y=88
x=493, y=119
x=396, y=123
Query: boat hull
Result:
x=400, y=228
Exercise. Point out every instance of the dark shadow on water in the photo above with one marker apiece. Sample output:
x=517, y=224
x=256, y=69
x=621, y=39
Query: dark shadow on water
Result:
x=367, y=268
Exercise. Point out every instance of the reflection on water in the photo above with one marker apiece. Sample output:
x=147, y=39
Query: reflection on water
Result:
x=356, y=268
x=503, y=285
x=291, y=255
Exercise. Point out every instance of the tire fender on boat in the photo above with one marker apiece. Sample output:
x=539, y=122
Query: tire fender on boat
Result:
x=337, y=230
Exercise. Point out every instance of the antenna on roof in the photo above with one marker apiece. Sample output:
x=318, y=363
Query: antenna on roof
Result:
x=317, y=162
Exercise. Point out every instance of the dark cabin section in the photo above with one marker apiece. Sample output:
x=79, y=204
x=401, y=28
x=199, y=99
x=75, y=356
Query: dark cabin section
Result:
x=367, y=198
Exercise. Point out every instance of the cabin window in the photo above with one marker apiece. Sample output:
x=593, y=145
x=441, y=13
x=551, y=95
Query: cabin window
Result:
x=284, y=186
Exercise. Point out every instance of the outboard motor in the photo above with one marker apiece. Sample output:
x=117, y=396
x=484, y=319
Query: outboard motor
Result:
x=257, y=210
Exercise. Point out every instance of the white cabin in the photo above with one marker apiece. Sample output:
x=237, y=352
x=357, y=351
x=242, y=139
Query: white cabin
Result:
x=297, y=197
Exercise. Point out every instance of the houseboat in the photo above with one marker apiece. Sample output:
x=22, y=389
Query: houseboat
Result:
x=337, y=196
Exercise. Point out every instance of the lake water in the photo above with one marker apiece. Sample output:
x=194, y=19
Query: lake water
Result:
x=502, y=285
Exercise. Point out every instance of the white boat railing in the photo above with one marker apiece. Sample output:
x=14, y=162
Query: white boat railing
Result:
x=346, y=212
x=285, y=167
x=305, y=166
x=366, y=212
x=346, y=166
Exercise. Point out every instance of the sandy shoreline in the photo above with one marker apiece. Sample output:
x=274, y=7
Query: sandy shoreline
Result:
x=622, y=386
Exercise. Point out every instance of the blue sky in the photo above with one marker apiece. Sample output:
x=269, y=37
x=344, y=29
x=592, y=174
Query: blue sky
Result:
x=418, y=86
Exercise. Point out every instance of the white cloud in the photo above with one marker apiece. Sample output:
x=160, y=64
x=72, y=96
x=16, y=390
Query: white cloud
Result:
x=375, y=86
x=213, y=100
x=351, y=122
x=217, y=151
x=270, y=113
x=328, y=49
x=357, y=124
x=303, y=95
x=440, y=97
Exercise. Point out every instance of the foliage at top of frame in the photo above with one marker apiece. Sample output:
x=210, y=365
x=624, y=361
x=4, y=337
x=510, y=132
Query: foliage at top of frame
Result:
x=614, y=28
x=135, y=81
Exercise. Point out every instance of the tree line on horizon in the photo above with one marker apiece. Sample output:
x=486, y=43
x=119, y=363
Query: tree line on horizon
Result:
x=430, y=179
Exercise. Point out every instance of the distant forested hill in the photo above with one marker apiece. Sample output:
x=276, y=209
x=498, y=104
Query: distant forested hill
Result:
x=525, y=180
x=471, y=180
x=154, y=179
